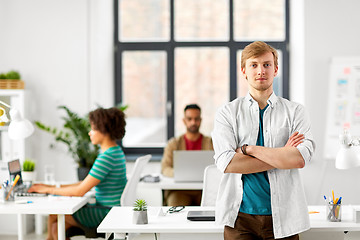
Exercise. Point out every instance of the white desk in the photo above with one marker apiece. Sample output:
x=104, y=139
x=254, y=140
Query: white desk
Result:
x=153, y=192
x=45, y=205
x=167, y=183
x=318, y=222
x=176, y=226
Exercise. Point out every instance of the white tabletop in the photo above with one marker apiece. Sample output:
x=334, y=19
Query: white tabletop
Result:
x=167, y=183
x=119, y=220
x=318, y=221
x=45, y=205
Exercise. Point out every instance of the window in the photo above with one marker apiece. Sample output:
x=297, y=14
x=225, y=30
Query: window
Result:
x=170, y=53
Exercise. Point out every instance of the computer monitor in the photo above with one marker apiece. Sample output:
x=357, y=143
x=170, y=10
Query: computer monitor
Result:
x=15, y=169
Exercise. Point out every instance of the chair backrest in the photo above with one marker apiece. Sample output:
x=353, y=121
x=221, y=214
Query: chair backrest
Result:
x=128, y=196
x=212, y=177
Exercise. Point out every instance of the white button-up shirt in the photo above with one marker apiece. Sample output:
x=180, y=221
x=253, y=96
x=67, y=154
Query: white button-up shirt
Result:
x=237, y=123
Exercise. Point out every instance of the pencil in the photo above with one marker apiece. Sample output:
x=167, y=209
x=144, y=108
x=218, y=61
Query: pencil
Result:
x=15, y=181
x=333, y=196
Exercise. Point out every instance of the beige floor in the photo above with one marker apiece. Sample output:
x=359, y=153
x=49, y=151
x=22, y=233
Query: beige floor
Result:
x=33, y=236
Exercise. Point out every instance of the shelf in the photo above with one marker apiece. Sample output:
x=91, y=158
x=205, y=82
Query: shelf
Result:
x=4, y=128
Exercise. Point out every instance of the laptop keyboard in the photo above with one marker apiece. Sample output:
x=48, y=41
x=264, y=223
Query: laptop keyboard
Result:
x=27, y=194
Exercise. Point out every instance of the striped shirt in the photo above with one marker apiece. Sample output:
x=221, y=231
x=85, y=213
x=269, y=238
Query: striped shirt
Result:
x=110, y=168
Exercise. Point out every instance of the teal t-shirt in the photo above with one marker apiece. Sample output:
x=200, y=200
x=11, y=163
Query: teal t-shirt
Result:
x=256, y=196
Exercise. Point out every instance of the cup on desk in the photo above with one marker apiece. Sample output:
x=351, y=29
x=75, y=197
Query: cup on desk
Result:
x=333, y=212
x=49, y=174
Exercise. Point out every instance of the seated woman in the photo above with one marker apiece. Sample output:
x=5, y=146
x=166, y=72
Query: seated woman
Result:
x=107, y=175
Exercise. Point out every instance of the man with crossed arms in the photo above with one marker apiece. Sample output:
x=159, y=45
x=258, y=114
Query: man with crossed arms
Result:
x=260, y=142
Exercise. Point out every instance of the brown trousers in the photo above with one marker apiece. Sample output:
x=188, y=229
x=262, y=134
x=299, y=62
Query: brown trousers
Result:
x=252, y=227
x=182, y=197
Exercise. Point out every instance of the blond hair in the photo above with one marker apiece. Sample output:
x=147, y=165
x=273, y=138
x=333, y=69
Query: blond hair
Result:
x=257, y=49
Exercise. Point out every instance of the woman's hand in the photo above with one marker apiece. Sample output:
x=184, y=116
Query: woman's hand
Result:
x=40, y=188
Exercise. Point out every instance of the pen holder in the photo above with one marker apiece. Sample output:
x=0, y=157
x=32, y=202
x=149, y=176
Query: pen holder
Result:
x=333, y=212
x=4, y=194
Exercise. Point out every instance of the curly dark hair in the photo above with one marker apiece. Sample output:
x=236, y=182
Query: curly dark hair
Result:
x=109, y=121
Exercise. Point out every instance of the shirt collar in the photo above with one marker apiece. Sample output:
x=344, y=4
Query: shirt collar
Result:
x=271, y=101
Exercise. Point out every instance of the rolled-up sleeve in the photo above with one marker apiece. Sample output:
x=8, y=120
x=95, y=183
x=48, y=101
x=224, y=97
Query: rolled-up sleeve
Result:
x=224, y=138
x=302, y=125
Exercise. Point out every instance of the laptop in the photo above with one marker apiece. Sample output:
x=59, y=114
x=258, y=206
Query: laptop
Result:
x=201, y=215
x=189, y=166
x=20, y=189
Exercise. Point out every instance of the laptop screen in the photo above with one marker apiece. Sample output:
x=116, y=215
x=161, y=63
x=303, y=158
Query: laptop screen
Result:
x=189, y=166
x=15, y=169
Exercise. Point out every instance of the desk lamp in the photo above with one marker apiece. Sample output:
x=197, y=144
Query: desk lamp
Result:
x=19, y=128
x=349, y=154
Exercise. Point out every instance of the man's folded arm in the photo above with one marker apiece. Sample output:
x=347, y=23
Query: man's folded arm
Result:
x=287, y=157
x=244, y=164
x=264, y=158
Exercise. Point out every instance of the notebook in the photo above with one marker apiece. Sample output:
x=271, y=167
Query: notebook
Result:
x=189, y=166
x=201, y=215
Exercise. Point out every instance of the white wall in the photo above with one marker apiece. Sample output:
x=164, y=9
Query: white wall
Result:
x=331, y=29
x=63, y=49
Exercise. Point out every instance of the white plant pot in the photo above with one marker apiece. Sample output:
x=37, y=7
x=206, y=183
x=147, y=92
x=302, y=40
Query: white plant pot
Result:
x=140, y=217
x=28, y=176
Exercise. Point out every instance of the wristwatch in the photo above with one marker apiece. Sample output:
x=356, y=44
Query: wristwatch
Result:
x=243, y=149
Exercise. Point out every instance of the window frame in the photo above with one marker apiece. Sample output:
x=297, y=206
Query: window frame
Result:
x=169, y=47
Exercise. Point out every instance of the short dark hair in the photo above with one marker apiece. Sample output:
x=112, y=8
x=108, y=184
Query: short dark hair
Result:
x=192, y=106
x=109, y=121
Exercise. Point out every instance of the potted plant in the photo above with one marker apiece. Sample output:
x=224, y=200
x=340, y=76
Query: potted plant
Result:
x=28, y=171
x=140, y=212
x=75, y=135
x=11, y=80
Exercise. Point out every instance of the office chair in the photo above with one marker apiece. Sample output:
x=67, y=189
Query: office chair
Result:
x=127, y=198
x=212, y=177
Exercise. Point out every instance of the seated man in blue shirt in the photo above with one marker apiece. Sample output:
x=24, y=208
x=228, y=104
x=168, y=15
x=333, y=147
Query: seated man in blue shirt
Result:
x=260, y=142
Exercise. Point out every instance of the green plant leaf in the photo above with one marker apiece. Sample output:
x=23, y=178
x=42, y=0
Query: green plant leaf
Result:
x=75, y=135
x=13, y=75
x=140, y=205
x=28, y=165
